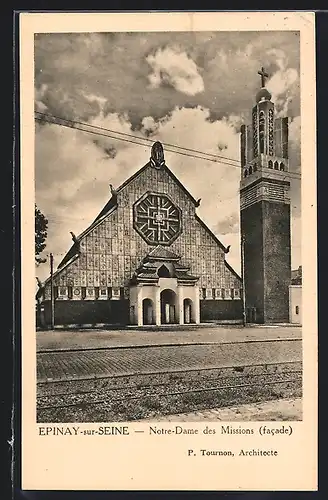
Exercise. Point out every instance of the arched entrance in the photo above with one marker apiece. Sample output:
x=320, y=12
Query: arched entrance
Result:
x=188, y=316
x=147, y=312
x=168, y=307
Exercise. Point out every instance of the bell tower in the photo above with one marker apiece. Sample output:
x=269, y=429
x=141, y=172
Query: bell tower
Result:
x=265, y=212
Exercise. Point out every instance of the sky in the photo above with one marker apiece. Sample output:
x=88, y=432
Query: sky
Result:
x=192, y=89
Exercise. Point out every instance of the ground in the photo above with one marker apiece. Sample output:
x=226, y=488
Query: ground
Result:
x=211, y=373
x=95, y=339
x=280, y=409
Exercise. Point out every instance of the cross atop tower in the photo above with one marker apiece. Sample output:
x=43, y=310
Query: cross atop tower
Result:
x=263, y=75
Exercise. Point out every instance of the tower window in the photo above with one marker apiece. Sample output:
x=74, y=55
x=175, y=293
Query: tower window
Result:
x=213, y=293
x=245, y=172
x=204, y=293
x=276, y=166
x=70, y=292
x=250, y=170
x=297, y=310
x=223, y=293
x=282, y=166
x=254, y=167
x=83, y=292
x=270, y=164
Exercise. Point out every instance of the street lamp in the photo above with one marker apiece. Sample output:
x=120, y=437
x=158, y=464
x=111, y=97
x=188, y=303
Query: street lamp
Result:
x=243, y=277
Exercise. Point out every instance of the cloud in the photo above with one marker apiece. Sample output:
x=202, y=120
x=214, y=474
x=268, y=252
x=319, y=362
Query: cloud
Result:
x=229, y=224
x=202, y=89
x=284, y=82
x=175, y=68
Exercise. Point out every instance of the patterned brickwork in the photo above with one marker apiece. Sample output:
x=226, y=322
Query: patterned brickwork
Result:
x=112, y=250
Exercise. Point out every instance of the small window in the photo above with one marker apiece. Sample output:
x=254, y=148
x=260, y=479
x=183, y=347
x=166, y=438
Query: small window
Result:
x=255, y=167
x=276, y=166
x=245, y=172
x=70, y=292
x=163, y=272
x=204, y=293
x=83, y=292
x=282, y=167
x=223, y=293
x=270, y=164
x=232, y=293
x=297, y=310
x=55, y=292
x=250, y=170
x=122, y=292
x=213, y=293
x=109, y=292
x=97, y=292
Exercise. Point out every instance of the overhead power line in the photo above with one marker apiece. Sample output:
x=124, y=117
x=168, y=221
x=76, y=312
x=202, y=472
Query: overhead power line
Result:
x=77, y=125
x=136, y=137
x=131, y=141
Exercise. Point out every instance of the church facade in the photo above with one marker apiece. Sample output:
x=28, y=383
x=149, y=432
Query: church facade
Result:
x=147, y=259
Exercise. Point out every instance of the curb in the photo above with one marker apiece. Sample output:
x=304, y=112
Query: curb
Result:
x=175, y=344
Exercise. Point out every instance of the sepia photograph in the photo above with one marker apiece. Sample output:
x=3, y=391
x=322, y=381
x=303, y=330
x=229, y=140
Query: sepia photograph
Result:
x=168, y=226
x=168, y=205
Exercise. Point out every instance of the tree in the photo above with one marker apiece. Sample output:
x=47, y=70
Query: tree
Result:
x=41, y=233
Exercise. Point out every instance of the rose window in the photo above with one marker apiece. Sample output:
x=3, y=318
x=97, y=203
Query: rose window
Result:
x=157, y=219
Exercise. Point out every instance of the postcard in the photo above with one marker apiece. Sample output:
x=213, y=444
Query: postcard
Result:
x=168, y=237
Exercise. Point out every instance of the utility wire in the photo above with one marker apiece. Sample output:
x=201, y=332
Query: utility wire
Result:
x=72, y=124
x=135, y=137
x=135, y=142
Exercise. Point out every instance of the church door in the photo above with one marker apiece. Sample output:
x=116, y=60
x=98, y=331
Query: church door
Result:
x=147, y=312
x=168, y=307
x=187, y=310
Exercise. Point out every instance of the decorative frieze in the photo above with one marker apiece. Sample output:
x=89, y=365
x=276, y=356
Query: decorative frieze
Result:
x=265, y=191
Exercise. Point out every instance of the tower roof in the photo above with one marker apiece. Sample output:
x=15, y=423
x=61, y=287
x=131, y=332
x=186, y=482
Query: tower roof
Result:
x=263, y=95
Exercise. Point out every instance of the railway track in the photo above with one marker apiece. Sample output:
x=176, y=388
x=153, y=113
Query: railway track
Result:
x=163, y=393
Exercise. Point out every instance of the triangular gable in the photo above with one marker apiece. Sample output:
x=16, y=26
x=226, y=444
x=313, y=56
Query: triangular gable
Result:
x=232, y=270
x=111, y=206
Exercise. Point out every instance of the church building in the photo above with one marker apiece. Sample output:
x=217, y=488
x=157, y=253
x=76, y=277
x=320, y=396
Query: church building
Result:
x=147, y=259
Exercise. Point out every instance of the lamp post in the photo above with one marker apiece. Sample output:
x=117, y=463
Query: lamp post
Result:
x=243, y=277
x=52, y=296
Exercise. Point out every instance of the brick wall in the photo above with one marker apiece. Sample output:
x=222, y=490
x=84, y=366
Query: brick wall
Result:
x=88, y=312
x=277, y=261
x=215, y=310
x=252, y=227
